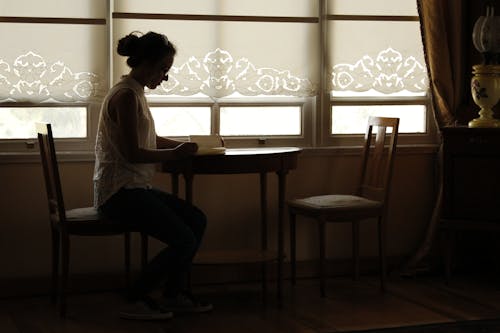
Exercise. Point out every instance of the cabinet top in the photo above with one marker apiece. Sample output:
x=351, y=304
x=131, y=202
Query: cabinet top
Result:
x=469, y=130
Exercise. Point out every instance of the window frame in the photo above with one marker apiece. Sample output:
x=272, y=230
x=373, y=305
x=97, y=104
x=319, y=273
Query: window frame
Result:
x=77, y=145
x=428, y=137
x=306, y=104
x=328, y=101
x=65, y=144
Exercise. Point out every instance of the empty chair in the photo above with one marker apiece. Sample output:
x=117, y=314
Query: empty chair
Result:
x=369, y=201
x=80, y=221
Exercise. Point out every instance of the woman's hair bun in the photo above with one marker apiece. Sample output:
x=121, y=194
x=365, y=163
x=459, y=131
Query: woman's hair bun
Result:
x=139, y=48
x=128, y=45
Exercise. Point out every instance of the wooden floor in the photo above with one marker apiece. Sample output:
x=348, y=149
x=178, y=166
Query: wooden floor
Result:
x=238, y=308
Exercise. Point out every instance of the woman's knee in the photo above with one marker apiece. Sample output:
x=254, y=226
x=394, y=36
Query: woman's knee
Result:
x=185, y=244
x=199, y=219
x=198, y=223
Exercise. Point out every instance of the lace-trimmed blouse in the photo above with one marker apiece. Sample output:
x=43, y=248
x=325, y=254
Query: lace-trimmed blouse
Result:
x=112, y=170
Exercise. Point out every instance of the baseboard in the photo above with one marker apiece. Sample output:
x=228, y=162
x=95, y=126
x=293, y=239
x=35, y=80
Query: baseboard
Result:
x=201, y=275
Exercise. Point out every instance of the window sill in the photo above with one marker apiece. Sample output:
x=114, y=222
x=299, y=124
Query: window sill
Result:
x=406, y=149
x=88, y=156
x=34, y=157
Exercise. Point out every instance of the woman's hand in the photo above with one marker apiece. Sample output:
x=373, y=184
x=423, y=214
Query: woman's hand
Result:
x=186, y=149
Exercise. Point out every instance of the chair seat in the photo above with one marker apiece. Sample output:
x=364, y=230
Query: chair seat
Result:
x=341, y=204
x=82, y=214
x=87, y=221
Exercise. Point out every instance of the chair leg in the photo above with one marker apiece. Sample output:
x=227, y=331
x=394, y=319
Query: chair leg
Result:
x=293, y=249
x=56, y=243
x=355, y=249
x=264, y=282
x=382, y=244
x=65, y=245
x=144, y=250
x=322, y=257
x=127, y=258
x=449, y=238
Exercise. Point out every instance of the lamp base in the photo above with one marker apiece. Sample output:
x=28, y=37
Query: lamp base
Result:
x=484, y=122
x=485, y=89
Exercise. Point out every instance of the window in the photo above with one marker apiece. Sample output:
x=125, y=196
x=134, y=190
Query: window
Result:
x=260, y=120
x=375, y=66
x=53, y=70
x=68, y=122
x=182, y=120
x=246, y=60
x=273, y=72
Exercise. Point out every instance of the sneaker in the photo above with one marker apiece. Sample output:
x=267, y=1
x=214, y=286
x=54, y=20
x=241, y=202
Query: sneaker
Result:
x=184, y=303
x=145, y=309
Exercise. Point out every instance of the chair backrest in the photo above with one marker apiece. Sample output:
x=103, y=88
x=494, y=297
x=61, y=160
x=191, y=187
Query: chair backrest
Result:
x=376, y=164
x=51, y=173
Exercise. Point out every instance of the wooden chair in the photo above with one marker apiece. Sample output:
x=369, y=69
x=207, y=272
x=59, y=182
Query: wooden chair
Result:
x=369, y=201
x=80, y=221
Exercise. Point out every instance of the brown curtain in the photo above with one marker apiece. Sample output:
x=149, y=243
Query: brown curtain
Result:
x=443, y=27
x=443, y=32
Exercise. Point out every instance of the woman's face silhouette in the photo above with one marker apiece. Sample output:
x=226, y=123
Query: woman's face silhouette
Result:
x=156, y=72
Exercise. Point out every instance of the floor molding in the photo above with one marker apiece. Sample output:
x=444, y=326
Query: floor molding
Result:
x=201, y=275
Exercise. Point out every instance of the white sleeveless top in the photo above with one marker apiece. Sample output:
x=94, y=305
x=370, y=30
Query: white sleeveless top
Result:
x=112, y=170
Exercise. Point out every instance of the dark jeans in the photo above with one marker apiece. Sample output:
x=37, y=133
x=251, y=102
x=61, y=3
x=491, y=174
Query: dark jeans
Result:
x=169, y=219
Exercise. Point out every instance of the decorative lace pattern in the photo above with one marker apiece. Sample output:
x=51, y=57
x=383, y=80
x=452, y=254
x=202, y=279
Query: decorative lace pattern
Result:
x=388, y=73
x=31, y=79
x=219, y=75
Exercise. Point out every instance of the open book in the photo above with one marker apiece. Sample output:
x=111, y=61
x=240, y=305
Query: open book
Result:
x=208, y=144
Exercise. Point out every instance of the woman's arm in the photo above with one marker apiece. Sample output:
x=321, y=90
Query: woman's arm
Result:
x=124, y=106
x=162, y=142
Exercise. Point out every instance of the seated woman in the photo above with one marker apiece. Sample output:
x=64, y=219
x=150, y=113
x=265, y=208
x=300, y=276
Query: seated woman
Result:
x=126, y=149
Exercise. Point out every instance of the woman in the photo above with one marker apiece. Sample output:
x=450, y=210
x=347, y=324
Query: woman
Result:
x=126, y=149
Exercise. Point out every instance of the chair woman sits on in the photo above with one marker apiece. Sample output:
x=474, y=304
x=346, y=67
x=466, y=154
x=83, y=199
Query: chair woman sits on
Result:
x=80, y=221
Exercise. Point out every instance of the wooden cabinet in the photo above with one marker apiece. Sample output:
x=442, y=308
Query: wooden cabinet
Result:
x=471, y=187
x=471, y=173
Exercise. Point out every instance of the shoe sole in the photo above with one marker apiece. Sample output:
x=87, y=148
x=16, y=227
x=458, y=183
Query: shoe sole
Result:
x=199, y=309
x=135, y=316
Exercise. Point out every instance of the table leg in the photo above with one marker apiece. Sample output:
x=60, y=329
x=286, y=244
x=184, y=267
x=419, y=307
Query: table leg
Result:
x=263, y=229
x=188, y=179
x=188, y=185
x=281, y=210
x=175, y=184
